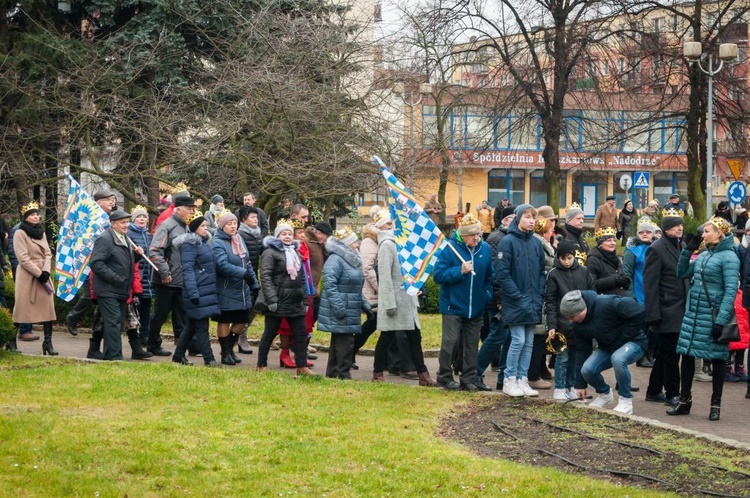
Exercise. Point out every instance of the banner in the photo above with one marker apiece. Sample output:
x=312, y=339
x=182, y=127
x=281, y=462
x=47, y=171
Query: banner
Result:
x=418, y=239
x=83, y=222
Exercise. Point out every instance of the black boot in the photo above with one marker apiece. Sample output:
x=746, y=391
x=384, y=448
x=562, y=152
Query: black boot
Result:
x=715, y=412
x=94, y=344
x=47, y=348
x=683, y=406
x=234, y=338
x=226, y=351
x=747, y=394
x=13, y=347
x=135, y=346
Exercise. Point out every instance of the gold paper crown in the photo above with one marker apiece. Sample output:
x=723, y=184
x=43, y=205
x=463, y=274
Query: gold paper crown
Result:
x=180, y=187
x=468, y=219
x=672, y=213
x=195, y=216
x=605, y=232
x=721, y=224
x=297, y=224
x=28, y=207
x=581, y=257
x=221, y=213
x=540, y=225
x=379, y=215
x=342, y=233
x=556, y=344
x=139, y=207
x=284, y=221
x=645, y=219
x=575, y=205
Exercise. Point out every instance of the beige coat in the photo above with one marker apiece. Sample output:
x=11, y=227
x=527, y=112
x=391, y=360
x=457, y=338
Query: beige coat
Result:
x=484, y=215
x=368, y=249
x=605, y=217
x=33, y=304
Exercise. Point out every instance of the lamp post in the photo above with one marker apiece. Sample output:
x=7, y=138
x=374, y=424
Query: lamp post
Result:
x=458, y=157
x=412, y=102
x=693, y=52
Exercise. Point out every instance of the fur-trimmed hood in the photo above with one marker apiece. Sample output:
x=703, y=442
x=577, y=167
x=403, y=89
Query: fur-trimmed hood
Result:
x=370, y=231
x=352, y=257
x=189, y=238
x=275, y=243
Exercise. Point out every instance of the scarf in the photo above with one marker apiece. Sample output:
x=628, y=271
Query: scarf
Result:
x=255, y=232
x=610, y=257
x=575, y=231
x=238, y=248
x=36, y=232
x=293, y=264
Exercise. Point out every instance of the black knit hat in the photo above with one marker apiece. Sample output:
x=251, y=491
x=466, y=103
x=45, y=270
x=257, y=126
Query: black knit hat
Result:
x=565, y=247
x=507, y=211
x=196, y=222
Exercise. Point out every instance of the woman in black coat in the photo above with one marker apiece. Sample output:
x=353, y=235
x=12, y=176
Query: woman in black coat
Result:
x=198, y=290
x=605, y=266
x=251, y=233
x=283, y=294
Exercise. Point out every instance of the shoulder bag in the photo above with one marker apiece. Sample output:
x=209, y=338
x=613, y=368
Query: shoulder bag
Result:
x=731, y=331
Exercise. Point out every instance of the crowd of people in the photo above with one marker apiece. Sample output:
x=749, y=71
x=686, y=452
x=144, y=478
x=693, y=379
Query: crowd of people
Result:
x=514, y=284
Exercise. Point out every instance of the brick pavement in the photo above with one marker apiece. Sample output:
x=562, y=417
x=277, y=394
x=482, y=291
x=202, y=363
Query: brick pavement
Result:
x=734, y=424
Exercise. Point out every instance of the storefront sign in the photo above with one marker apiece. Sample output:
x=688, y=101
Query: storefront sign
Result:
x=568, y=161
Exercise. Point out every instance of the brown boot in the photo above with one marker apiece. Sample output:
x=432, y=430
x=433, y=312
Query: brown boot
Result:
x=378, y=377
x=306, y=371
x=426, y=380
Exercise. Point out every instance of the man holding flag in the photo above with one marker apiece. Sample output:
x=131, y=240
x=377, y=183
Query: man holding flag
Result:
x=465, y=274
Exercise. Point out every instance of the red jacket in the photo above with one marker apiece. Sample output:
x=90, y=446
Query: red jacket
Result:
x=743, y=321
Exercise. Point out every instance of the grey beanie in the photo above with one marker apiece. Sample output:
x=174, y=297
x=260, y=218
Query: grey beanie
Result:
x=572, y=213
x=572, y=303
x=523, y=207
x=216, y=199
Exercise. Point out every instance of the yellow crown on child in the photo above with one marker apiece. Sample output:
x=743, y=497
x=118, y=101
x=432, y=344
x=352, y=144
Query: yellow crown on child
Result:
x=672, y=213
x=468, y=219
x=605, y=232
x=30, y=206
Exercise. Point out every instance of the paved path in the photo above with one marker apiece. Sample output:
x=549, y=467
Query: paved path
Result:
x=735, y=412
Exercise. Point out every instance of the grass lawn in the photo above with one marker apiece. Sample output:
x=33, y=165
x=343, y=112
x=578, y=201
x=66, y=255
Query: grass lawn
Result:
x=117, y=429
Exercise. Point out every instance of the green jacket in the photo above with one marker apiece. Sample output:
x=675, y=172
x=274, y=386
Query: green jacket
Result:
x=720, y=268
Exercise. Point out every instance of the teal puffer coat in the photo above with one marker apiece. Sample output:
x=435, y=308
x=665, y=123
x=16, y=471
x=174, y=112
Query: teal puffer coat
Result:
x=720, y=268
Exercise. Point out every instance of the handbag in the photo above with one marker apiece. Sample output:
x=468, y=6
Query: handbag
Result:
x=260, y=302
x=731, y=331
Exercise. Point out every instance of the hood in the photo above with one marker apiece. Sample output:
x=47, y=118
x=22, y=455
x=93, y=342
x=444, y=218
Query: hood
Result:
x=370, y=231
x=589, y=297
x=635, y=241
x=311, y=237
x=131, y=226
x=187, y=238
x=725, y=245
x=385, y=235
x=272, y=242
x=352, y=257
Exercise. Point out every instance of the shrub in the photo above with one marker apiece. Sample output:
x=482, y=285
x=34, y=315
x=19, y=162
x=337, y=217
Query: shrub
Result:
x=7, y=329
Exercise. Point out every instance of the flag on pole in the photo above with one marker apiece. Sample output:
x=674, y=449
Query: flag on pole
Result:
x=418, y=239
x=83, y=222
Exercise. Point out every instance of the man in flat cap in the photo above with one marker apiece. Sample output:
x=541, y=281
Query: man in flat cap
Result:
x=616, y=322
x=168, y=280
x=606, y=215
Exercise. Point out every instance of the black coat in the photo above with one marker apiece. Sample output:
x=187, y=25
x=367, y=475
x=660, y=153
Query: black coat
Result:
x=604, y=273
x=576, y=237
x=254, y=245
x=113, y=265
x=664, y=292
x=276, y=284
x=560, y=281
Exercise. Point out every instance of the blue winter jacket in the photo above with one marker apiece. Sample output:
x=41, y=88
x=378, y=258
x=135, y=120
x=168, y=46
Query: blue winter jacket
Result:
x=464, y=295
x=342, y=301
x=199, y=276
x=231, y=271
x=720, y=269
x=520, y=274
x=142, y=239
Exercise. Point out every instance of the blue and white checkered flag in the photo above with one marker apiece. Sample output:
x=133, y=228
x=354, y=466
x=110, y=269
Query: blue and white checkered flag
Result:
x=418, y=239
x=83, y=222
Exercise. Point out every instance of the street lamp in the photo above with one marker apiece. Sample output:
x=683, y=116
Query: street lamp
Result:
x=459, y=158
x=727, y=52
x=412, y=102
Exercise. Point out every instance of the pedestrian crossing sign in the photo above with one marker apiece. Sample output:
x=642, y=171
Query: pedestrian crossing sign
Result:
x=642, y=179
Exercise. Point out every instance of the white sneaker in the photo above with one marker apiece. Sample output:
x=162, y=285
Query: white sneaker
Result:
x=603, y=400
x=523, y=383
x=511, y=388
x=572, y=394
x=560, y=394
x=624, y=405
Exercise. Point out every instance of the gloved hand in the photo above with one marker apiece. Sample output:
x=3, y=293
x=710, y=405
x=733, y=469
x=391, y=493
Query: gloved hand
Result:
x=391, y=312
x=692, y=242
x=249, y=278
x=623, y=281
x=369, y=314
x=273, y=307
x=44, y=277
x=716, y=330
x=195, y=300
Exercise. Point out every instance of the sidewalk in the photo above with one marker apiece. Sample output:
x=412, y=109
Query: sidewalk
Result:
x=734, y=423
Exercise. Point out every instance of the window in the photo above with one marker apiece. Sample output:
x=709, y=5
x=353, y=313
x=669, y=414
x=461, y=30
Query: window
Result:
x=378, y=14
x=506, y=183
x=538, y=188
x=589, y=190
x=479, y=128
x=429, y=126
x=658, y=25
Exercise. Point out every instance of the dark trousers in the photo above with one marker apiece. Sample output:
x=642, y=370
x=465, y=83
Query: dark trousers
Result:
x=196, y=331
x=537, y=357
x=114, y=313
x=340, y=356
x=167, y=299
x=399, y=357
x=466, y=330
x=368, y=328
x=413, y=346
x=297, y=324
x=83, y=304
x=144, y=317
x=688, y=370
x=666, y=370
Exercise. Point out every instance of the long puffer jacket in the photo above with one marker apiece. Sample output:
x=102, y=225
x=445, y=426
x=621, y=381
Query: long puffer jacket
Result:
x=231, y=271
x=605, y=273
x=254, y=244
x=277, y=285
x=199, y=276
x=719, y=268
x=342, y=302
x=142, y=239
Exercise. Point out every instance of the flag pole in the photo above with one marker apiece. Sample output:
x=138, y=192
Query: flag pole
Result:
x=458, y=255
x=143, y=255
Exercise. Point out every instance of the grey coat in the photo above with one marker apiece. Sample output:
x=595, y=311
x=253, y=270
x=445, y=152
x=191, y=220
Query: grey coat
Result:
x=164, y=255
x=391, y=293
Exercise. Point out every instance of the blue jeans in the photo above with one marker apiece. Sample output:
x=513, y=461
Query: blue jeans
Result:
x=600, y=360
x=519, y=352
x=491, y=345
x=565, y=371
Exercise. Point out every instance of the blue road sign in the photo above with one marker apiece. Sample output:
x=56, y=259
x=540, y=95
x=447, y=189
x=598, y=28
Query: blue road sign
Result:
x=642, y=179
x=736, y=192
